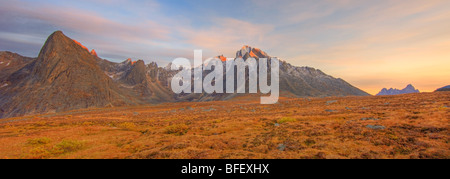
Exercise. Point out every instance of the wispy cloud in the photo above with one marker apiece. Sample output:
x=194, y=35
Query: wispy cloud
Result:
x=88, y=26
x=226, y=35
x=371, y=44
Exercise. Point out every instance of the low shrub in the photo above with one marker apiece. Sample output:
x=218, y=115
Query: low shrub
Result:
x=127, y=125
x=286, y=119
x=67, y=146
x=39, y=141
x=178, y=130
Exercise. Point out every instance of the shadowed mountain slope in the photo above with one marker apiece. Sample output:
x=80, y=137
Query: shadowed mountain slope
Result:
x=65, y=76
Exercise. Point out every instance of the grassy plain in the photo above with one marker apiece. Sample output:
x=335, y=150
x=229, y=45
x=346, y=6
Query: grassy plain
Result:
x=408, y=126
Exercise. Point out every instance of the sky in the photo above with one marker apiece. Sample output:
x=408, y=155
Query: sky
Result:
x=370, y=44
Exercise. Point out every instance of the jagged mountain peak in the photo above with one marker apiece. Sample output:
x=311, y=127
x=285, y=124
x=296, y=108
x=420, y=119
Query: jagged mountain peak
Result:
x=62, y=54
x=394, y=91
x=93, y=52
x=65, y=76
x=58, y=42
x=410, y=86
x=129, y=61
x=139, y=63
x=136, y=75
x=249, y=52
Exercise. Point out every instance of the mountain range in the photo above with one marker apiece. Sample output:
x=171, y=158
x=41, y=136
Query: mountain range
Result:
x=408, y=89
x=67, y=76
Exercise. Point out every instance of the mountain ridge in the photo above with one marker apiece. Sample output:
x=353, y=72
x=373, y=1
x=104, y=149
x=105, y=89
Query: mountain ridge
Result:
x=67, y=76
x=408, y=89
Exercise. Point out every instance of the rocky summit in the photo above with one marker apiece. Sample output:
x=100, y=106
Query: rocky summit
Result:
x=67, y=76
x=64, y=76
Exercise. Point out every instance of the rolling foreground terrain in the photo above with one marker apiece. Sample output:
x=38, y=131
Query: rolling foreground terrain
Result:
x=401, y=126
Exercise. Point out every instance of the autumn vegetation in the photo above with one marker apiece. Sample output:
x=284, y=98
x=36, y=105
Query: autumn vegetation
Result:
x=412, y=126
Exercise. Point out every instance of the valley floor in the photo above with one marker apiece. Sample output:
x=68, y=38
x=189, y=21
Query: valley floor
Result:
x=403, y=126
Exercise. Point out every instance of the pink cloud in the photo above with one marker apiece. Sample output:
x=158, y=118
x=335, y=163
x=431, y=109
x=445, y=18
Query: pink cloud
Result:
x=226, y=35
x=90, y=23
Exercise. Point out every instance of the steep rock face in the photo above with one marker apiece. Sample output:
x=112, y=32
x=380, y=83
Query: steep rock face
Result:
x=136, y=79
x=159, y=80
x=136, y=75
x=65, y=76
x=408, y=89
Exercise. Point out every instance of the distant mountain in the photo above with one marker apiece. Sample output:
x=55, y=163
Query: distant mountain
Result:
x=445, y=88
x=67, y=76
x=408, y=89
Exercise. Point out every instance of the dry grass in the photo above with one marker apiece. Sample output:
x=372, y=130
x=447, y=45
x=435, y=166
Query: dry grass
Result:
x=415, y=126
